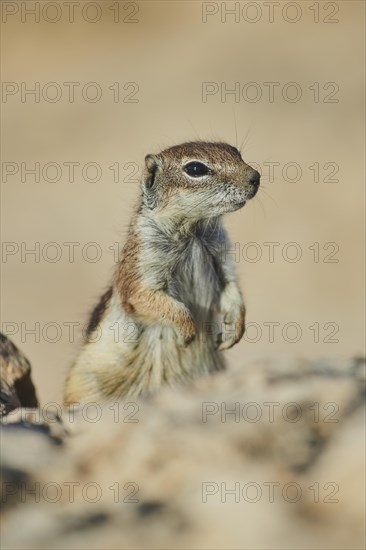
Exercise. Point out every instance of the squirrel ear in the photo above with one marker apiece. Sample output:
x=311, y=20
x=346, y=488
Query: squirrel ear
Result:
x=151, y=166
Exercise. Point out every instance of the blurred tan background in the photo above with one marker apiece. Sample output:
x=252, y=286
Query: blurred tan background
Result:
x=168, y=52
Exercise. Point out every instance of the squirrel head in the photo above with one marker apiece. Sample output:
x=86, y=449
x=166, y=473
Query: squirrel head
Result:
x=198, y=180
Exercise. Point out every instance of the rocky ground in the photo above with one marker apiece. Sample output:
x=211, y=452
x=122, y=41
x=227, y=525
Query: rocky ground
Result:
x=269, y=454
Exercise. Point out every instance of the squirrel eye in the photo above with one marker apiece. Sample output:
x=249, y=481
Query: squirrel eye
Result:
x=196, y=169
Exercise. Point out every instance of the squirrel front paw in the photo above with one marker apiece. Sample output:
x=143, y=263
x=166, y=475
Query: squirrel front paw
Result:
x=233, y=309
x=185, y=330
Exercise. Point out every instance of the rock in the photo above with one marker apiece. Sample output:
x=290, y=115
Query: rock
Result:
x=17, y=389
x=266, y=455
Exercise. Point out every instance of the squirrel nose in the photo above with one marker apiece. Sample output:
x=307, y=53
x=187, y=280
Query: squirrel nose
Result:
x=254, y=177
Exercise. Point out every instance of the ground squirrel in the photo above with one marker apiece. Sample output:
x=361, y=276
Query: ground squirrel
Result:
x=159, y=322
